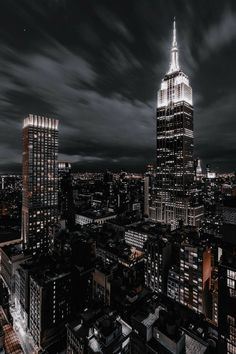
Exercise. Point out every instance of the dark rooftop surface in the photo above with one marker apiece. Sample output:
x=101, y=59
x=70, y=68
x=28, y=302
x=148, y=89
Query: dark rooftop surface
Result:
x=13, y=250
x=96, y=214
x=7, y=235
x=48, y=275
x=149, y=228
x=230, y=202
x=79, y=329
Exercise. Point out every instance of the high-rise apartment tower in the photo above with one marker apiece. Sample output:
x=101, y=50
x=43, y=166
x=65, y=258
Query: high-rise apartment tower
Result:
x=40, y=181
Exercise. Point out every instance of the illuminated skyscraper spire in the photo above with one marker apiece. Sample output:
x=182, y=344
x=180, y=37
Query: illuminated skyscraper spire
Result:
x=174, y=59
x=175, y=164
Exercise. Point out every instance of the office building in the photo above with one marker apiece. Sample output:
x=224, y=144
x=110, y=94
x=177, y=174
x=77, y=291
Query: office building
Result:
x=175, y=164
x=158, y=253
x=50, y=292
x=102, y=277
x=11, y=258
x=227, y=281
x=65, y=195
x=137, y=234
x=195, y=275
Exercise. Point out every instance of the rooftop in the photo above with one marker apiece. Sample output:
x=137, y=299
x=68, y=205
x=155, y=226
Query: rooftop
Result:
x=167, y=323
x=13, y=250
x=98, y=328
x=79, y=329
x=48, y=275
x=148, y=313
x=97, y=214
x=149, y=228
x=193, y=345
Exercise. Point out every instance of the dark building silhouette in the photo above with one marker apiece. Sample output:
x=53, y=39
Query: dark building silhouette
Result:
x=50, y=305
x=65, y=197
x=227, y=281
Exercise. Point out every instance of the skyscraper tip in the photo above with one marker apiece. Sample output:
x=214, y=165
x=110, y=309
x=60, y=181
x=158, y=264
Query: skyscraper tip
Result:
x=174, y=62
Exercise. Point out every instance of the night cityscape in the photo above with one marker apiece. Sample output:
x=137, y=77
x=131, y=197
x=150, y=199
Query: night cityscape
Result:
x=117, y=177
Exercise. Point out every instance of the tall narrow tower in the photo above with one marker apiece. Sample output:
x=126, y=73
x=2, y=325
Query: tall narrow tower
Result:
x=40, y=181
x=175, y=164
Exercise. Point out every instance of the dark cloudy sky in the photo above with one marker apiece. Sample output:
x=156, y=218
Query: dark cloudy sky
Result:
x=97, y=65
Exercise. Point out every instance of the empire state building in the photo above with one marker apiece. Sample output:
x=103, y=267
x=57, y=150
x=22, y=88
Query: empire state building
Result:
x=175, y=163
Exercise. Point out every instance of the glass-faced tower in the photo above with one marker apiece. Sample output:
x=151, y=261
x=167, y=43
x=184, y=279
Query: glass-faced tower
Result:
x=175, y=164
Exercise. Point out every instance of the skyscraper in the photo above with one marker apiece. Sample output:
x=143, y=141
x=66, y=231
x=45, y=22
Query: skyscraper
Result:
x=40, y=181
x=195, y=275
x=65, y=196
x=227, y=280
x=175, y=164
x=50, y=295
x=158, y=253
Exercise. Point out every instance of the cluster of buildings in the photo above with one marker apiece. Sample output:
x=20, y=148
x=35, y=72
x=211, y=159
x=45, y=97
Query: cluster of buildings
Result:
x=122, y=263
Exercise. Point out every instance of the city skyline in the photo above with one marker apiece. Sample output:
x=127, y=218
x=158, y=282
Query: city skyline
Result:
x=118, y=214
x=98, y=72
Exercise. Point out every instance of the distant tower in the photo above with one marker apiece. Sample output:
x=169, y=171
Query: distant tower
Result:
x=148, y=184
x=208, y=169
x=175, y=164
x=199, y=167
x=146, y=196
x=40, y=181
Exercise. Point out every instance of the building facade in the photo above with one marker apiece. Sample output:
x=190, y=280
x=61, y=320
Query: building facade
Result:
x=40, y=181
x=173, y=284
x=158, y=254
x=50, y=306
x=135, y=238
x=175, y=163
x=195, y=276
x=227, y=281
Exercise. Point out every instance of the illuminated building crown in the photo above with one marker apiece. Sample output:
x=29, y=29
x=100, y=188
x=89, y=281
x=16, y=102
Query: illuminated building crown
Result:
x=175, y=86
